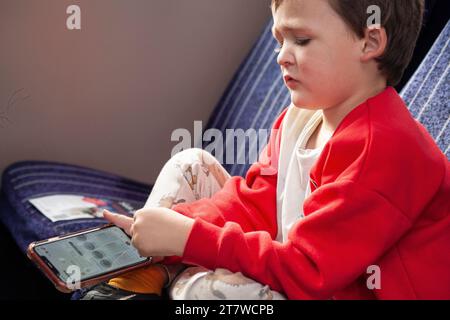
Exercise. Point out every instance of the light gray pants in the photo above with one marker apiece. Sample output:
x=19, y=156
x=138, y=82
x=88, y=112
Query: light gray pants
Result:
x=188, y=176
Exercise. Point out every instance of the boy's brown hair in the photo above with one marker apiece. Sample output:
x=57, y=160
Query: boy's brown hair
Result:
x=402, y=20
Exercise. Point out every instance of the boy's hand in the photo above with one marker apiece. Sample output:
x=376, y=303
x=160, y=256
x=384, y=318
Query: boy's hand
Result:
x=155, y=231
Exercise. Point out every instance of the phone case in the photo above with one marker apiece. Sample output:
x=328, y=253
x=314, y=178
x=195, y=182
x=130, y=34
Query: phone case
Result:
x=61, y=285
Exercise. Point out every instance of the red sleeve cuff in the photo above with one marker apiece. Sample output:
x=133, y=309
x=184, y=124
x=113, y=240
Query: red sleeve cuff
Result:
x=183, y=208
x=206, y=236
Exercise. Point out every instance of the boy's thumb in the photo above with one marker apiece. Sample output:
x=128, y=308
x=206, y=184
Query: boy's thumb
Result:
x=119, y=220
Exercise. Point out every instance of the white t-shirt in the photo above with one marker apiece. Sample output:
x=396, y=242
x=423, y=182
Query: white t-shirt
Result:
x=294, y=167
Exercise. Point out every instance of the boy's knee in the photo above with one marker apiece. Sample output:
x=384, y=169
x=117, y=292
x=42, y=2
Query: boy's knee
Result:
x=187, y=153
x=192, y=155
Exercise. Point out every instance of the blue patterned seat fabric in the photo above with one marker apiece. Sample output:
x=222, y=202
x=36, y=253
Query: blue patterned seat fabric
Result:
x=254, y=98
x=427, y=93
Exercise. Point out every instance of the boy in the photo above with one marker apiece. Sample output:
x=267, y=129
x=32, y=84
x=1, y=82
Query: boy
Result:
x=357, y=183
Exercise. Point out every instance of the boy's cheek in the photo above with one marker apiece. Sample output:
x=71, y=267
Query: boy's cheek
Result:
x=322, y=80
x=312, y=74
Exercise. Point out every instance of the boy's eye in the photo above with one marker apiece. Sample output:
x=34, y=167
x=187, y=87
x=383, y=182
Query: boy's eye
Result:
x=299, y=41
x=302, y=42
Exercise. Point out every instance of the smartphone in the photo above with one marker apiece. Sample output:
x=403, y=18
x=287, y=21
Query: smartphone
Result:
x=86, y=258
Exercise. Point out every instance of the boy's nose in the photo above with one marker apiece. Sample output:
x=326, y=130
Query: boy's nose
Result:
x=284, y=58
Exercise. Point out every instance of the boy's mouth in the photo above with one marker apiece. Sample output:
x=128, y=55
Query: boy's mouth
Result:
x=289, y=78
x=289, y=81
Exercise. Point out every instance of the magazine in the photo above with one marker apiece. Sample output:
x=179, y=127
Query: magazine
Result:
x=67, y=207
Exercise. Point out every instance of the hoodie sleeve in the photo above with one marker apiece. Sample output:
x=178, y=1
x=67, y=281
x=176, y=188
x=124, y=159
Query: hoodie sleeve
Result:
x=346, y=229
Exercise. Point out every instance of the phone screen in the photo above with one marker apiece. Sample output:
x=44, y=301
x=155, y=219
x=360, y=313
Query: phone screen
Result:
x=93, y=253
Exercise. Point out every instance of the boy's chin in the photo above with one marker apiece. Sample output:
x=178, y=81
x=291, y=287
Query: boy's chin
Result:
x=303, y=102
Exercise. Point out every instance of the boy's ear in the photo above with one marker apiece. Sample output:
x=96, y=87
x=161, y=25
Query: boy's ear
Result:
x=374, y=43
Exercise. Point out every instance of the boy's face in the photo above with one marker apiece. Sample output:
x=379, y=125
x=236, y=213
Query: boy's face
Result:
x=319, y=51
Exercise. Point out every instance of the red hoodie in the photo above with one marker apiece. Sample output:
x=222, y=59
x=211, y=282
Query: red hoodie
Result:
x=380, y=196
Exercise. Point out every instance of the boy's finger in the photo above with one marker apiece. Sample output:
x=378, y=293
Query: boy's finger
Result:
x=119, y=220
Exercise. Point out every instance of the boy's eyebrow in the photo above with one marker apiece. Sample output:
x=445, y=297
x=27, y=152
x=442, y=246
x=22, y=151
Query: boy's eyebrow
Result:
x=289, y=29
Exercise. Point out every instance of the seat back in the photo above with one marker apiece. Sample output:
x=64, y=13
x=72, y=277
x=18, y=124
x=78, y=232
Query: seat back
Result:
x=427, y=93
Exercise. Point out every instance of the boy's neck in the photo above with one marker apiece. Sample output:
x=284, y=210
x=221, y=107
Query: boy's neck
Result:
x=333, y=116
